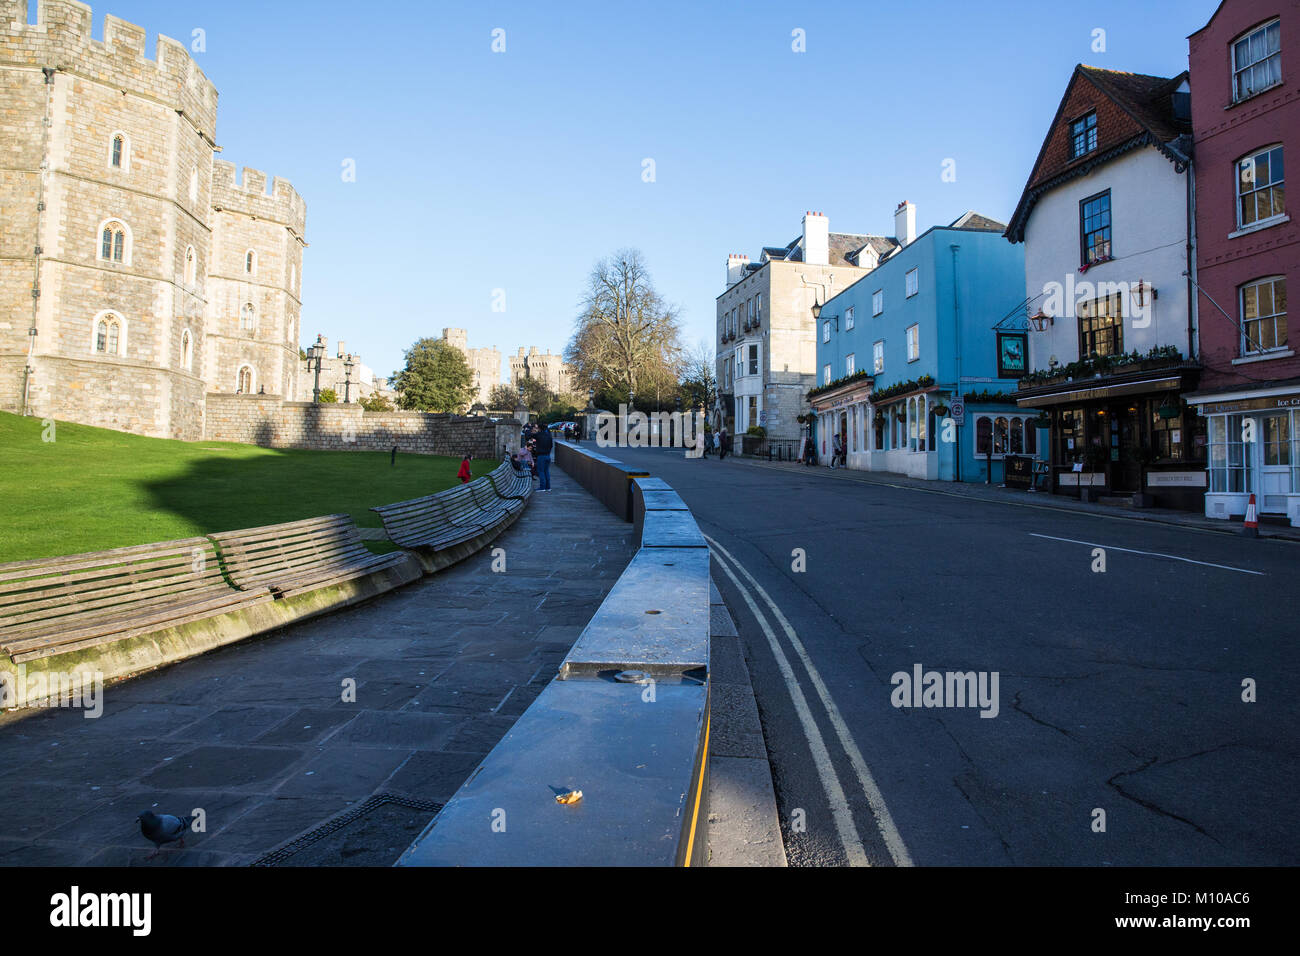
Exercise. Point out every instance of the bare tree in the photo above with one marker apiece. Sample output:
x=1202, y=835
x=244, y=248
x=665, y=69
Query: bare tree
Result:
x=626, y=336
x=699, y=376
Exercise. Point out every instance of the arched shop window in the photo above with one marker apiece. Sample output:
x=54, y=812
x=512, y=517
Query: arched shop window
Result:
x=983, y=429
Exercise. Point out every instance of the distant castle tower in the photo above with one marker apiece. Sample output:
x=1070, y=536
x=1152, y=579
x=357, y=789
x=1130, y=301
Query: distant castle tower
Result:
x=484, y=363
x=544, y=366
x=136, y=274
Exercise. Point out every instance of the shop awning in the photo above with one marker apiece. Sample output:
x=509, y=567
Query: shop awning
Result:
x=1072, y=394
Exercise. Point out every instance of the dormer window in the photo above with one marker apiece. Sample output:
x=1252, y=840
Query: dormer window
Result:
x=1257, y=61
x=1083, y=135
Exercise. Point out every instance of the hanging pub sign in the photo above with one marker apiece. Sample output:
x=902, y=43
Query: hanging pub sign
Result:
x=1013, y=352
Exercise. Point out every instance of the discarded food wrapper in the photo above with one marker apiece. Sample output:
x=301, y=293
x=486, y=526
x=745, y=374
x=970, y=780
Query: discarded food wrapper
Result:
x=573, y=796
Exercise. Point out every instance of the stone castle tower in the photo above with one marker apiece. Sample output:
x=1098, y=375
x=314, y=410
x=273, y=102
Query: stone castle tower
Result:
x=550, y=368
x=484, y=363
x=136, y=273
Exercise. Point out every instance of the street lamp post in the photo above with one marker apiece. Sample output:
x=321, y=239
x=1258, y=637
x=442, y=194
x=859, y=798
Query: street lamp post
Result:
x=590, y=412
x=314, y=355
x=347, y=379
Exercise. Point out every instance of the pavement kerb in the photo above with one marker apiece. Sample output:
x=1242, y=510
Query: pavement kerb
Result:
x=1188, y=523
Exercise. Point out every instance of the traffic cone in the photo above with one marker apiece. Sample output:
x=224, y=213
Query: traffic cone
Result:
x=1251, y=527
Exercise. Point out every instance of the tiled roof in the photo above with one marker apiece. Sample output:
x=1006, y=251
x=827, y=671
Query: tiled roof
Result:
x=1139, y=111
x=973, y=220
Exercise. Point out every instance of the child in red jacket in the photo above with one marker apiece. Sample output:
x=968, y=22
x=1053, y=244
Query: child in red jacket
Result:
x=464, y=474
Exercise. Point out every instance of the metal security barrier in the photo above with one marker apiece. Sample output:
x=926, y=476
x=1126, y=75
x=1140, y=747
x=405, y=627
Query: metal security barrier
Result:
x=625, y=721
x=608, y=480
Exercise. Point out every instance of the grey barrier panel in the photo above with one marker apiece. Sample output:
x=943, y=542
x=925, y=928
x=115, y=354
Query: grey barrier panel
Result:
x=655, y=618
x=608, y=480
x=636, y=751
x=653, y=494
x=671, y=529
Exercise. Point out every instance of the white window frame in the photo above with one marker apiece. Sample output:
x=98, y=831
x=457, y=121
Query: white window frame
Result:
x=912, y=283
x=252, y=378
x=878, y=356
x=248, y=309
x=877, y=302
x=1246, y=346
x=826, y=374
x=1256, y=188
x=1239, y=68
x=250, y=262
x=848, y=319
x=850, y=365
x=826, y=331
x=913, y=334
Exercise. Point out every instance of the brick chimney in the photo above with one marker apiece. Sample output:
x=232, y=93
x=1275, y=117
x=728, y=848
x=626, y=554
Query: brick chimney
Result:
x=816, y=239
x=736, y=268
x=905, y=222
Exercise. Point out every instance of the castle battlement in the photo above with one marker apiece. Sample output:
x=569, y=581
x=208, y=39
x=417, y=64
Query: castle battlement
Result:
x=246, y=193
x=62, y=38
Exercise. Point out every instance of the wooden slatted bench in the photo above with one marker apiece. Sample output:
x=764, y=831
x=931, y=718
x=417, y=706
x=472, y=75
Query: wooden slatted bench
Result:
x=493, y=504
x=300, y=556
x=444, y=520
x=55, y=605
x=510, y=482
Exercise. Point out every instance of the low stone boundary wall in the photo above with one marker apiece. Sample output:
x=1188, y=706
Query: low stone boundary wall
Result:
x=269, y=421
x=626, y=720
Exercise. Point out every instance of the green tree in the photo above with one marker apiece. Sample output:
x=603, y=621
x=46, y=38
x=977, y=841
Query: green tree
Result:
x=375, y=402
x=503, y=397
x=328, y=396
x=435, y=379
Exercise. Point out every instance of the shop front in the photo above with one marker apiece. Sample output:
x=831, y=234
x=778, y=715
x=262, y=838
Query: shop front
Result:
x=1126, y=435
x=843, y=414
x=1254, y=449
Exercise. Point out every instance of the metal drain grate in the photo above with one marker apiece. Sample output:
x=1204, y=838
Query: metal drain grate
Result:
x=346, y=818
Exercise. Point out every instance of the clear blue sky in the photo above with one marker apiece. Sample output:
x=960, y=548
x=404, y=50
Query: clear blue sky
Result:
x=518, y=170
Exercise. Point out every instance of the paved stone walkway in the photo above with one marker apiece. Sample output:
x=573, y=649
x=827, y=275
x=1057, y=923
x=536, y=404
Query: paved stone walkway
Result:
x=257, y=735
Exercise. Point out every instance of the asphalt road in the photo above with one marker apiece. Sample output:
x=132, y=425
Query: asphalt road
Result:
x=1119, y=692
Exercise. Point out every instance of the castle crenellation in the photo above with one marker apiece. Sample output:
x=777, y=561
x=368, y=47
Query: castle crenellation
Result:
x=62, y=38
x=139, y=273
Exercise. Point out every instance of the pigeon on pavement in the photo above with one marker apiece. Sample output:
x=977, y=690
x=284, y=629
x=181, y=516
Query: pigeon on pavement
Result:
x=160, y=828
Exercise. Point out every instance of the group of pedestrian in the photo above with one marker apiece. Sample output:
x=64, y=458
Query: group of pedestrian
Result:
x=718, y=441
x=839, y=452
x=535, y=454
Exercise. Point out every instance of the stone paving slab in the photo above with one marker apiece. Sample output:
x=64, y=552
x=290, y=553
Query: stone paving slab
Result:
x=260, y=736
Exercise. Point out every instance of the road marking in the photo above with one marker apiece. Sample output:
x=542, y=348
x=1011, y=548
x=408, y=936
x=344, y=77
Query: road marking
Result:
x=875, y=799
x=1154, y=554
x=843, y=817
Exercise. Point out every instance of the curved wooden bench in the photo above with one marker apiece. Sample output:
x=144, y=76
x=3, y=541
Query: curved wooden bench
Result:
x=444, y=520
x=510, y=482
x=299, y=556
x=54, y=605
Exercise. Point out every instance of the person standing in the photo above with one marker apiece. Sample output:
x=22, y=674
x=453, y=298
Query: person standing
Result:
x=464, y=473
x=722, y=443
x=543, y=452
x=835, y=450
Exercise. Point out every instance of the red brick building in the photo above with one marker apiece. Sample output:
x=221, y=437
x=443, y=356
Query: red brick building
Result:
x=1245, y=80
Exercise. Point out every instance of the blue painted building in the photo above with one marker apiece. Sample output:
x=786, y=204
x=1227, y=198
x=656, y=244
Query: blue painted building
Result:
x=899, y=345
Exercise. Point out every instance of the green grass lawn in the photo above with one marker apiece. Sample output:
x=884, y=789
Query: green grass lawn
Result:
x=92, y=489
